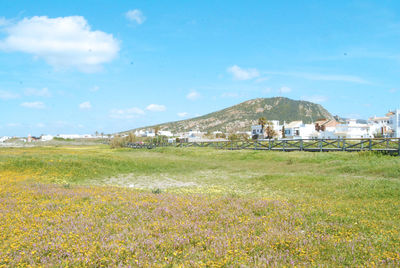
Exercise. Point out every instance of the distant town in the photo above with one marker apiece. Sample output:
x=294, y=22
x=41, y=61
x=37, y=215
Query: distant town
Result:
x=387, y=126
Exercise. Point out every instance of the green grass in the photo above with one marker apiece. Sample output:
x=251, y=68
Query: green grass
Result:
x=347, y=196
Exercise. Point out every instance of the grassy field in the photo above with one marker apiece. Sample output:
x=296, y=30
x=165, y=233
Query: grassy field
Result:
x=96, y=206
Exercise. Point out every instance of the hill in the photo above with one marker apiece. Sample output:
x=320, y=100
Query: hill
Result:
x=240, y=117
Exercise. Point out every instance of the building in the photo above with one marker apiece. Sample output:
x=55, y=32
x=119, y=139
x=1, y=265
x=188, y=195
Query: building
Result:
x=257, y=131
x=353, y=130
x=299, y=130
x=3, y=139
x=46, y=137
x=380, y=126
x=394, y=123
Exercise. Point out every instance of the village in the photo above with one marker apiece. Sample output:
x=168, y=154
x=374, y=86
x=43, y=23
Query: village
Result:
x=387, y=126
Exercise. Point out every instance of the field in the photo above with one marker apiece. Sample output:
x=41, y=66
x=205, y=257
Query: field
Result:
x=93, y=206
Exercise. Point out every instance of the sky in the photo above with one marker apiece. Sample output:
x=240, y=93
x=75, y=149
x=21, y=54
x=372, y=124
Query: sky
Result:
x=108, y=66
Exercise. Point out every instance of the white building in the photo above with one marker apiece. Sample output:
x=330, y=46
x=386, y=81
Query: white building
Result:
x=380, y=126
x=165, y=133
x=75, y=136
x=394, y=123
x=46, y=138
x=257, y=131
x=3, y=139
x=353, y=130
x=299, y=130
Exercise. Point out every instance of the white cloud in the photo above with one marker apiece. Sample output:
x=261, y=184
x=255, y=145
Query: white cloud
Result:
x=229, y=95
x=33, y=105
x=62, y=42
x=44, y=92
x=6, y=95
x=324, y=77
x=193, y=95
x=261, y=79
x=40, y=125
x=183, y=114
x=14, y=125
x=243, y=74
x=85, y=105
x=285, y=90
x=95, y=88
x=156, y=108
x=315, y=98
x=3, y=21
x=126, y=113
x=135, y=16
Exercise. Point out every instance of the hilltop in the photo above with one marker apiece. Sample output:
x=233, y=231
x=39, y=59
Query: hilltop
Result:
x=240, y=117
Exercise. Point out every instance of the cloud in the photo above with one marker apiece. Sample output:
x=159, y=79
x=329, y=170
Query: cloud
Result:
x=94, y=89
x=85, y=105
x=126, y=113
x=229, y=95
x=324, y=77
x=261, y=79
x=285, y=90
x=40, y=125
x=14, y=125
x=243, y=74
x=183, y=114
x=193, y=95
x=315, y=98
x=156, y=108
x=135, y=16
x=44, y=92
x=33, y=105
x=6, y=95
x=3, y=21
x=62, y=42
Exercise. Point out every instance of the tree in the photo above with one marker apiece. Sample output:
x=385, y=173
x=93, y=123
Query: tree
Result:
x=270, y=132
x=262, y=121
x=156, y=130
x=283, y=132
x=317, y=127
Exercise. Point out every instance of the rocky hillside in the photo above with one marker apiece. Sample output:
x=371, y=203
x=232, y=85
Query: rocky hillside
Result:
x=240, y=117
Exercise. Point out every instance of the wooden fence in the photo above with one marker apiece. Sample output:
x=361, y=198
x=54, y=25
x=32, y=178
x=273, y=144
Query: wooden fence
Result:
x=385, y=145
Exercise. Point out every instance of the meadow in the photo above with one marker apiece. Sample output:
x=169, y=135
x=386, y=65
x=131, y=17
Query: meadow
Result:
x=191, y=207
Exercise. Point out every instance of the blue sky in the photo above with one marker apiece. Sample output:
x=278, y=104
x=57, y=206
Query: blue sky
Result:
x=108, y=66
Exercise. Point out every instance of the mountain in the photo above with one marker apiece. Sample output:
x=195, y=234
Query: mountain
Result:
x=240, y=117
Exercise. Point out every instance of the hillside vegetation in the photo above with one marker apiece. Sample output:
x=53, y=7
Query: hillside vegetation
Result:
x=240, y=117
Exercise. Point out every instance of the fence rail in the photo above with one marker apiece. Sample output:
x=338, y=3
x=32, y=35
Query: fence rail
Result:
x=386, y=145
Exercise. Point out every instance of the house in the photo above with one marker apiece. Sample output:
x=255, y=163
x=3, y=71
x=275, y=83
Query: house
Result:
x=325, y=128
x=257, y=131
x=394, y=122
x=165, y=133
x=3, y=139
x=299, y=130
x=380, y=126
x=46, y=137
x=353, y=130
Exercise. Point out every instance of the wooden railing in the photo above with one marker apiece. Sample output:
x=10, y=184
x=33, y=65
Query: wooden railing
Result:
x=386, y=145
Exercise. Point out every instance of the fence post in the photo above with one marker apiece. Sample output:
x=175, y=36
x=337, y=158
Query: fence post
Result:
x=320, y=145
x=301, y=145
x=398, y=141
x=370, y=145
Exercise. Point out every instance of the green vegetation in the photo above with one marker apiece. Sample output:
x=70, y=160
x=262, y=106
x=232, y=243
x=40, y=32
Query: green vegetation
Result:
x=225, y=207
x=240, y=117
